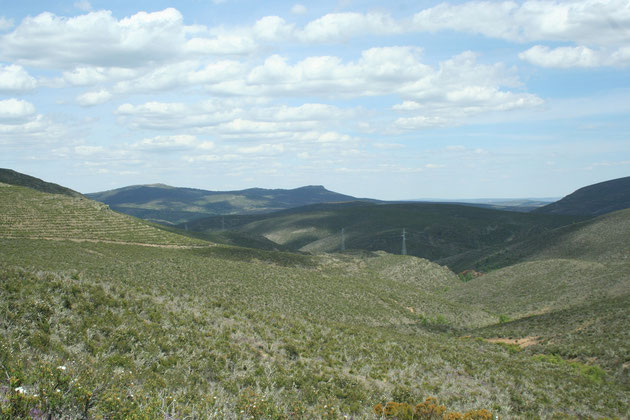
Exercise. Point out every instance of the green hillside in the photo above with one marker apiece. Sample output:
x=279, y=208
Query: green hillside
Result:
x=570, y=293
x=600, y=239
x=593, y=200
x=105, y=327
x=8, y=176
x=433, y=231
x=171, y=205
x=27, y=213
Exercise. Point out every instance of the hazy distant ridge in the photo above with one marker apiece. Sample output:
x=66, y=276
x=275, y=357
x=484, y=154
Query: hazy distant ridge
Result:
x=166, y=204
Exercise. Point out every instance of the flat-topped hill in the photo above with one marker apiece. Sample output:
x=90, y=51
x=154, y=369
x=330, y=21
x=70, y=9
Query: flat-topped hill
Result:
x=171, y=205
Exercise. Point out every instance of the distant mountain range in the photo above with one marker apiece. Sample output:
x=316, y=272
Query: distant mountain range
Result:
x=170, y=205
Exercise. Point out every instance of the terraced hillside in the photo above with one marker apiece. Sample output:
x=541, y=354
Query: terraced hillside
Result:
x=433, y=231
x=27, y=213
x=11, y=177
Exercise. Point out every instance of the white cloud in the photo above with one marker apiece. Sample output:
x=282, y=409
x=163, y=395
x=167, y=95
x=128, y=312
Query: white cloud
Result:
x=21, y=125
x=16, y=111
x=342, y=26
x=580, y=56
x=176, y=115
x=599, y=22
x=94, y=98
x=273, y=28
x=84, y=76
x=14, y=79
x=234, y=118
x=95, y=39
x=88, y=150
x=227, y=44
x=168, y=143
x=262, y=149
x=420, y=122
x=299, y=9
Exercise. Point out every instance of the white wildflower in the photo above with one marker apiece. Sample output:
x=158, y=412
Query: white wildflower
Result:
x=20, y=390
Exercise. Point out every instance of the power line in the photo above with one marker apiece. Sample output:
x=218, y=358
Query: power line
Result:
x=404, y=242
x=343, y=240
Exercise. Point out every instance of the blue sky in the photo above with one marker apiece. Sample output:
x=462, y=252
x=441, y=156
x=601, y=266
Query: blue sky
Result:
x=391, y=100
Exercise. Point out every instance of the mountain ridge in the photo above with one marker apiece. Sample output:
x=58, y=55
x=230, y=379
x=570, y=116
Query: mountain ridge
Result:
x=171, y=205
x=593, y=200
x=11, y=177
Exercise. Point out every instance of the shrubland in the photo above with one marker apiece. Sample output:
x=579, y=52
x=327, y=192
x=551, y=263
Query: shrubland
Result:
x=105, y=316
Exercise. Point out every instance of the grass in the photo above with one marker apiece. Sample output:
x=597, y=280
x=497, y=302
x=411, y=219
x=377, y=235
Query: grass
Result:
x=215, y=331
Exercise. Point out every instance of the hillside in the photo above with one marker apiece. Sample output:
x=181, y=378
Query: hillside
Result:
x=101, y=328
x=569, y=290
x=171, y=205
x=11, y=177
x=593, y=200
x=598, y=240
x=433, y=231
x=27, y=213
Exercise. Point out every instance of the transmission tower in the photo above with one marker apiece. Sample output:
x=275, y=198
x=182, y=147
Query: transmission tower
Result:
x=404, y=243
x=343, y=240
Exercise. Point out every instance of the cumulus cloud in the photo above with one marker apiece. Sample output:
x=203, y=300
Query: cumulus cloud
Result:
x=85, y=76
x=95, y=39
x=94, y=98
x=175, y=115
x=580, y=56
x=14, y=79
x=341, y=26
x=232, y=118
x=168, y=143
x=21, y=125
x=262, y=149
x=587, y=21
x=16, y=111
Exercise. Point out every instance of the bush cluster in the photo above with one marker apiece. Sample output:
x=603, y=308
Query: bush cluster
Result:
x=430, y=409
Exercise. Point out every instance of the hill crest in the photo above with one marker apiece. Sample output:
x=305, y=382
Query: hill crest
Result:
x=11, y=177
x=593, y=200
x=172, y=205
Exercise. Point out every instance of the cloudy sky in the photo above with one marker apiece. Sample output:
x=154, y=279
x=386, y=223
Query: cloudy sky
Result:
x=393, y=100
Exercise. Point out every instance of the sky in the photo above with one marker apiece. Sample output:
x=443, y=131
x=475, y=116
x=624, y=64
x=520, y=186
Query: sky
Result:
x=391, y=100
